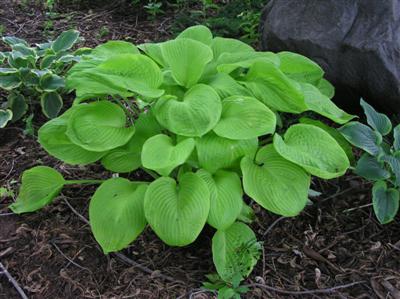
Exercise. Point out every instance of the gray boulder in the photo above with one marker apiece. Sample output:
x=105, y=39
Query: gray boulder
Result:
x=357, y=43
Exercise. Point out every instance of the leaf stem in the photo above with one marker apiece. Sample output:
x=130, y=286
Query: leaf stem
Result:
x=73, y=182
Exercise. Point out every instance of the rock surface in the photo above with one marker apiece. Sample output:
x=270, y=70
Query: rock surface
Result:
x=357, y=43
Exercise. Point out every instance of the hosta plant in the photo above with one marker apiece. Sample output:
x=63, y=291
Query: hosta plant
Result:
x=380, y=162
x=203, y=115
x=35, y=73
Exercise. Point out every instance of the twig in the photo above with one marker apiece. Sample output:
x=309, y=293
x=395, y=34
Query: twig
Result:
x=272, y=225
x=356, y=208
x=337, y=194
x=68, y=259
x=122, y=256
x=13, y=281
x=6, y=214
x=306, y=292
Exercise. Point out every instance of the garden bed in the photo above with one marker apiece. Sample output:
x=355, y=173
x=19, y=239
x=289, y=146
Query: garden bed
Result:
x=335, y=248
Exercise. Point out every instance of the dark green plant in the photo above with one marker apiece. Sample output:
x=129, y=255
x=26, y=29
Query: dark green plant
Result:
x=35, y=73
x=380, y=162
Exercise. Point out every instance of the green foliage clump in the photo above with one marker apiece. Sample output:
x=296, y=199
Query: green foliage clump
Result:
x=380, y=162
x=203, y=116
x=30, y=73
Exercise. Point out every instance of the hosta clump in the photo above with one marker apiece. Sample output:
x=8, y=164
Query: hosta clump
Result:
x=380, y=162
x=31, y=73
x=202, y=114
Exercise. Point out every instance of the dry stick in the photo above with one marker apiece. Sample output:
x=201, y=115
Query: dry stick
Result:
x=307, y=292
x=120, y=255
x=13, y=281
x=272, y=225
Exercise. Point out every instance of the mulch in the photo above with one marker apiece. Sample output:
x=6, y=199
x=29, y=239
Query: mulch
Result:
x=334, y=249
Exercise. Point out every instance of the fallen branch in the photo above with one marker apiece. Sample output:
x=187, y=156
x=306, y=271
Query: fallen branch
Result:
x=4, y=271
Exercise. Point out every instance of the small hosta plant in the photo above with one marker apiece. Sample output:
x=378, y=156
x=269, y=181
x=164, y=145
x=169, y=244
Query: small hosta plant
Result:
x=380, y=162
x=203, y=115
x=35, y=73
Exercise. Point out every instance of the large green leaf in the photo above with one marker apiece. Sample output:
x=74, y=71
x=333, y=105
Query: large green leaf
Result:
x=52, y=137
x=300, y=68
x=99, y=126
x=225, y=197
x=215, y=152
x=177, y=213
x=65, y=40
x=346, y=146
x=17, y=104
x=161, y=154
x=385, y=202
x=229, y=62
x=275, y=183
x=119, y=75
x=116, y=213
x=321, y=104
x=153, y=50
x=235, y=251
x=198, y=33
x=378, y=121
x=370, y=168
x=326, y=88
x=226, y=86
x=51, y=103
x=274, y=88
x=186, y=59
x=362, y=137
x=313, y=149
x=40, y=185
x=245, y=118
x=5, y=117
x=128, y=157
x=113, y=48
x=194, y=115
x=222, y=45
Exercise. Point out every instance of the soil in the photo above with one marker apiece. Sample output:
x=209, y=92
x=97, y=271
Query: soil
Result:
x=52, y=253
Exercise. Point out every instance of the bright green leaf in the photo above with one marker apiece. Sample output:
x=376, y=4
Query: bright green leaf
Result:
x=116, y=213
x=161, y=154
x=226, y=86
x=326, y=88
x=177, y=213
x=99, y=126
x=194, y=115
x=226, y=197
x=275, y=183
x=222, y=45
x=244, y=118
x=198, y=33
x=40, y=185
x=313, y=149
x=113, y=48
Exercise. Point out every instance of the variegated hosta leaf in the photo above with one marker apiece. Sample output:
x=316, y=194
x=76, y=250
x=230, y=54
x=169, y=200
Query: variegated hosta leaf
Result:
x=225, y=197
x=194, y=115
x=378, y=121
x=275, y=183
x=313, y=149
x=385, y=202
x=215, y=152
x=40, y=185
x=177, y=212
x=52, y=137
x=99, y=126
x=128, y=157
x=322, y=105
x=245, y=118
x=65, y=40
x=271, y=86
x=17, y=104
x=186, y=58
x=51, y=103
x=198, y=33
x=116, y=213
x=161, y=154
x=300, y=68
x=235, y=251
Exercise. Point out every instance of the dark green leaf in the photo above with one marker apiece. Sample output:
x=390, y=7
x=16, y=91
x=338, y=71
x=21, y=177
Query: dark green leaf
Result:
x=17, y=104
x=51, y=82
x=379, y=121
x=51, y=104
x=5, y=117
x=12, y=40
x=396, y=136
x=65, y=41
x=369, y=167
x=385, y=202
